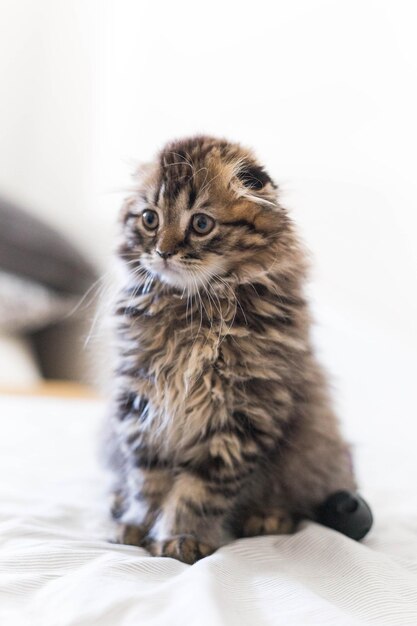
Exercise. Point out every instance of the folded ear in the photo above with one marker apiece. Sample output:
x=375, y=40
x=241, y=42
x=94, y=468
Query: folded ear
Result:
x=254, y=176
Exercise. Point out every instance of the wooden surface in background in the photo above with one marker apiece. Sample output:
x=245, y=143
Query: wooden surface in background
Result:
x=53, y=388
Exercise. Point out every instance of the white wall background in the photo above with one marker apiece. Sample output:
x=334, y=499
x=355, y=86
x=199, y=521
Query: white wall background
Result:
x=324, y=91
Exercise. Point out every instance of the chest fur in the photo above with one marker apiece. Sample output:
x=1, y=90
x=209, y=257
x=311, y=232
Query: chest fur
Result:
x=172, y=356
x=192, y=364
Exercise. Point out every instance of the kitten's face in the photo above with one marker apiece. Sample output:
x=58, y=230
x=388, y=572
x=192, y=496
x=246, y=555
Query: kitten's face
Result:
x=205, y=209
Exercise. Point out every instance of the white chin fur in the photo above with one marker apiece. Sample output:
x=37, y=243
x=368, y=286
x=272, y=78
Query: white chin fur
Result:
x=180, y=278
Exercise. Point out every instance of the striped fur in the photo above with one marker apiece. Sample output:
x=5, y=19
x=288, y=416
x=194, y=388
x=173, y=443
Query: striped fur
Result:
x=220, y=424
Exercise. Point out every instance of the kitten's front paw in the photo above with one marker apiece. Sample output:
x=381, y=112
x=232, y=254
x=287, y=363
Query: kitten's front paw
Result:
x=131, y=535
x=277, y=522
x=185, y=548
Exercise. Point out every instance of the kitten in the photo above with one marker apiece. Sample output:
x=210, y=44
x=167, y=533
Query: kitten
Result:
x=221, y=423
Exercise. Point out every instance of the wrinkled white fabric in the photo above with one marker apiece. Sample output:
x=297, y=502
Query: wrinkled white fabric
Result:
x=57, y=568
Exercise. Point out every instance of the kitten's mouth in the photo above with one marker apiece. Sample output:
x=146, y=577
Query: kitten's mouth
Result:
x=184, y=276
x=167, y=268
x=171, y=268
x=171, y=274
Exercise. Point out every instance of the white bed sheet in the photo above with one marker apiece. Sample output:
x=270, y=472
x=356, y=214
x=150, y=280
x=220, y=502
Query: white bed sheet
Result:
x=57, y=569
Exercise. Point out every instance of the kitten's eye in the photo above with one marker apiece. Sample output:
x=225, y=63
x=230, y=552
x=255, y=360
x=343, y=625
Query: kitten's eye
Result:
x=150, y=219
x=202, y=224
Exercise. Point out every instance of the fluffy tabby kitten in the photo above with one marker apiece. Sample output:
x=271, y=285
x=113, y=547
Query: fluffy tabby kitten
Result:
x=221, y=424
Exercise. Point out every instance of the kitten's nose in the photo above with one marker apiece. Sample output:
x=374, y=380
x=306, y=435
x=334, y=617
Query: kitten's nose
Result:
x=167, y=244
x=164, y=254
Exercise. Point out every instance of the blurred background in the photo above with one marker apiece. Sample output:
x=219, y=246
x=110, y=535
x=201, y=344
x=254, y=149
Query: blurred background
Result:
x=325, y=92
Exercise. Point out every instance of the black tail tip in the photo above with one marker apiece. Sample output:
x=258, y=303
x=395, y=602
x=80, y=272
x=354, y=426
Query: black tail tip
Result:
x=346, y=512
